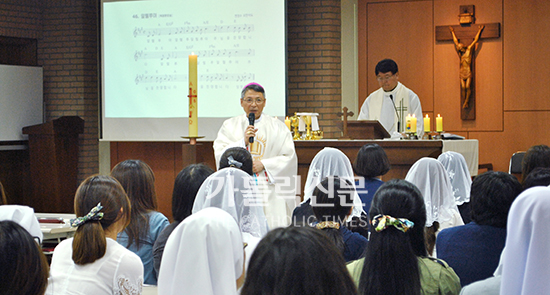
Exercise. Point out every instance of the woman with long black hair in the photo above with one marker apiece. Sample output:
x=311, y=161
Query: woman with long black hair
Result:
x=396, y=260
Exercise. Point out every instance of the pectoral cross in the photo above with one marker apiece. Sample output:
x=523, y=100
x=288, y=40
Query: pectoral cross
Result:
x=465, y=36
x=346, y=114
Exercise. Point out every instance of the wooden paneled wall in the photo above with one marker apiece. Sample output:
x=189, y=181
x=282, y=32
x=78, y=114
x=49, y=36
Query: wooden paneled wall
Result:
x=511, y=72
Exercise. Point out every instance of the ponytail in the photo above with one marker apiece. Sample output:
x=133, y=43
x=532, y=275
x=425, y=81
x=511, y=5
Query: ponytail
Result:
x=396, y=241
x=100, y=202
x=391, y=266
x=89, y=243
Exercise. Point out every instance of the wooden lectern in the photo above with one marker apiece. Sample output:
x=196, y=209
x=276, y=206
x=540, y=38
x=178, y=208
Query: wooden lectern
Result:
x=53, y=153
x=364, y=129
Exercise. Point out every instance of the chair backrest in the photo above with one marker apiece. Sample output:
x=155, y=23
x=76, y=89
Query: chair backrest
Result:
x=515, y=163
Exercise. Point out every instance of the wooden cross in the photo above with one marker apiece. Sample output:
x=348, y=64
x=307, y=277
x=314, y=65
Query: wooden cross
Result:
x=346, y=114
x=467, y=35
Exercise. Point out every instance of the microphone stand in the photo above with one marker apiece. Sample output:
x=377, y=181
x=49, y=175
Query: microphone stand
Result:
x=396, y=113
x=401, y=108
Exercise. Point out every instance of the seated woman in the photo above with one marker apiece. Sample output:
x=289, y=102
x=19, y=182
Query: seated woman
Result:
x=233, y=191
x=186, y=186
x=203, y=255
x=146, y=223
x=473, y=250
x=539, y=176
x=333, y=197
x=536, y=156
x=525, y=261
x=461, y=181
x=370, y=164
x=237, y=157
x=297, y=260
x=429, y=175
x=328, y=162
x=396, y=261
x=93, y=260
x=24, y=268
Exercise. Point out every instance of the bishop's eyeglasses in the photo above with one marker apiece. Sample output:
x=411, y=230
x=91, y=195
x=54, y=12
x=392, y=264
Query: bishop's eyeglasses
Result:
x=251, y=100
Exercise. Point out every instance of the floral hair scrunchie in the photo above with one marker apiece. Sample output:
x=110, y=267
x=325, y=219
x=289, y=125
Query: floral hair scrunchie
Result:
x=93, y=215
x=381, y=222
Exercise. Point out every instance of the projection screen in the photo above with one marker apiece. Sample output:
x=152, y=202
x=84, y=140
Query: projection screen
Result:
x=144, y=64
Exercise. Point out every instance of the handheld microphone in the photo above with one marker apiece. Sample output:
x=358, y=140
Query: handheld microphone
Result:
x=398, y=118
x=251, y=119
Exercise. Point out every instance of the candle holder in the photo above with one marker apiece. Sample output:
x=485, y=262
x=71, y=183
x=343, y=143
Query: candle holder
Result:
x=318, y=134
x=438, y=135
x=295, y=123
x=410, y=135
x=427, y=135
x=307, y=120
x=192, y=139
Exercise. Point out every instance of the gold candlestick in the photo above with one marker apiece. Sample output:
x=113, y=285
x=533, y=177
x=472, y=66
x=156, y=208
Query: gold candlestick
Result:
x=307, y=120
x=317, y=134
x=295, y=123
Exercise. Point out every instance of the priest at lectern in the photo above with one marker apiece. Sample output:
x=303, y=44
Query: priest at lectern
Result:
x=392, y=102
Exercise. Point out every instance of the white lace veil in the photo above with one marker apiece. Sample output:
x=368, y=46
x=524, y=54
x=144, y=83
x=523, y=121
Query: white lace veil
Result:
x=429, y=175
x=526, y=257
x=458, y=172
x=203, y=255
x=331, y=162
x=234, y=191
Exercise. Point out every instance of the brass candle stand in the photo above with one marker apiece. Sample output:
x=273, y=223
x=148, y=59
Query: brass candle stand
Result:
x=294, y=123
x=307, y=120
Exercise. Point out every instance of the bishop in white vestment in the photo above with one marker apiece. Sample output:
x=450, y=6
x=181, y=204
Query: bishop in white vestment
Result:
x=275, y=162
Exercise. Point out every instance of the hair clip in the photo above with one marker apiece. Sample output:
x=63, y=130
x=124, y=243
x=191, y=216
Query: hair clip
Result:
x=234, y=163
x=328, y=224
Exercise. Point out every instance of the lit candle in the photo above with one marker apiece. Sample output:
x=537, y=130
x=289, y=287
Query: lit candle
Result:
x=413, y=123
x=427, y=124
x=193, y=89
x=438, y=123
x=287, y=122
x=408, y=123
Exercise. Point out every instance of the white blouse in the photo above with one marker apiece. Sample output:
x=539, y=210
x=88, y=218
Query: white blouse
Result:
x=119, y=271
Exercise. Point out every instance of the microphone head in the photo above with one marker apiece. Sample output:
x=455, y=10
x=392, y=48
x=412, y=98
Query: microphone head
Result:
x=251, y=118
x=391, y=97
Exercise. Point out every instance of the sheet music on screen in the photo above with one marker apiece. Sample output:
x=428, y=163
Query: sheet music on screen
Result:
x=145, y=49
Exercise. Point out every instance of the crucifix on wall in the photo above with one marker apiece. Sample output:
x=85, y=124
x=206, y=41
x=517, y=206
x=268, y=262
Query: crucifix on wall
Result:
x=466, y=37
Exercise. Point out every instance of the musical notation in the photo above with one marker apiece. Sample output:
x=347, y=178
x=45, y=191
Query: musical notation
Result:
x=167, y=55
x=159, y=79
x=223, y=48
x=217, y=77
x=226, y=77
x=210, y=29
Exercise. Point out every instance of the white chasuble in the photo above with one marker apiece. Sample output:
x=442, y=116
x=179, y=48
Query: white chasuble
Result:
x=274, y=147
x=379, y=106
